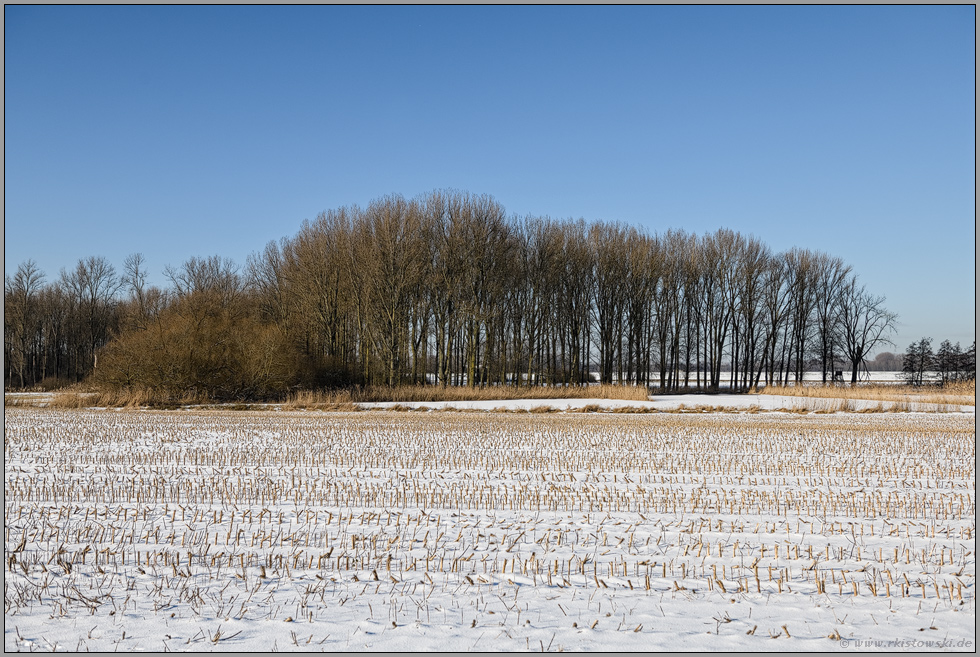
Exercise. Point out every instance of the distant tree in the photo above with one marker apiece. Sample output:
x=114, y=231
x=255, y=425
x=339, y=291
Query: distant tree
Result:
x=569, y=335
x=445, y=288
x=55, y=324
x=215, y=279
x=832, y=275
x=753, y=266
x=776, y=304
x=947, y=358
x=144, y=302
x=967, y=366
x=721, y=254
x=91, y=288
x=324, y=307
x=644, y=257
x=865, y=323
x=886, y=361
x=134, y=276
x=21, y=318
x=607, y=244
x=390, y=252
x=917, y=361
x=803, y=281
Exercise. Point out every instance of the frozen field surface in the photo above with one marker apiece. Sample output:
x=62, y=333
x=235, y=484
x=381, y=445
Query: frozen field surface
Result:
x=238, y=531
x=722, y=402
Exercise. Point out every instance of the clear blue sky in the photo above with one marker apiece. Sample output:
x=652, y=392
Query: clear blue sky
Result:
x=182, y=131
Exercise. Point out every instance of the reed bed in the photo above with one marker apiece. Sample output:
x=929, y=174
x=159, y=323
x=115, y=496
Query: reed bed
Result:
x=80, y=398
x=307, y=399
x=326, y=400
x=962, y=393
x=211, y=520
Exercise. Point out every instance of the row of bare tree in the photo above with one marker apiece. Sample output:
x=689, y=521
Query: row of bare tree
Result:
x=446, y=289
x=54, y=331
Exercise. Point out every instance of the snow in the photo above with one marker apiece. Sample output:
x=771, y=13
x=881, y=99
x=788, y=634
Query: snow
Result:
x=691, y=402
x=687, y=402
x=193, y=531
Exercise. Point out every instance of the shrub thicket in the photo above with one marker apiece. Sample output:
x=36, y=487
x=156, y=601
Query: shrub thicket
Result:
x=210, y=349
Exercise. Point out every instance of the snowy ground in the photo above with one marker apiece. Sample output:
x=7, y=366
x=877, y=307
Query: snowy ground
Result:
x=709, y=403
x=415, y=531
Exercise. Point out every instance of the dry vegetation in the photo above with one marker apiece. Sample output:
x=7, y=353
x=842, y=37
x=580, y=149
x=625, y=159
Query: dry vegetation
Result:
x=79, y=398
x=483, y=393
x=331, y=400
x=268, y=516
x=962, y=393
x=813, y=399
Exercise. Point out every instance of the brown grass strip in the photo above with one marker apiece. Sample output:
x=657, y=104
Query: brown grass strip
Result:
x=961, y=393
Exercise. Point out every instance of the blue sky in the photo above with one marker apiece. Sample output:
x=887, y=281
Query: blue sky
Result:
x=183, y=131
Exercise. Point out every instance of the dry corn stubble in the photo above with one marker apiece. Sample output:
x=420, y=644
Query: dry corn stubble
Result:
x=213, y=509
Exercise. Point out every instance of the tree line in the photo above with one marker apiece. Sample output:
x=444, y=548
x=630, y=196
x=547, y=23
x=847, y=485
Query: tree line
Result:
x=446, y=289
x=949, y=364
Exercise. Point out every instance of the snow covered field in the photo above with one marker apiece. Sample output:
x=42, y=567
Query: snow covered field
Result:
x=694, y=402
x=129, y=530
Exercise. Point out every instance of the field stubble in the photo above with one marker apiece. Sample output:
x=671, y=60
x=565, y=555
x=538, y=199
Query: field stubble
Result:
x=241, y=531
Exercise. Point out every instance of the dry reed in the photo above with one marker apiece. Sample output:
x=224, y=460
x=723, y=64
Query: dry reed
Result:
x=369, y=394
x=962, y=393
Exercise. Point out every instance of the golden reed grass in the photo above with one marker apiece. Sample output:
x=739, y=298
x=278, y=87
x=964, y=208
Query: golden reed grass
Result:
x=330, y=400
x=963, y=393
x=73, y=399
x=317, y=399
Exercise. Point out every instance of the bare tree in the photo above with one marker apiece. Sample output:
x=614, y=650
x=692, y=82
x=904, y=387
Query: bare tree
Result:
x=608, y=249
x=947, y=358
x=802, y=282
x=917, y=360
x=644, y=262
x=145, y=302
x=720, y=255
x=865, y=323
x=92, y=287
x=215, y=276
x=568, y=341
x=266, y=276
x=776, y=304
x=22, y=321
x=325, y=319
x=390, y=254
x=754, y=265
x=832, y=275
x=670, y=297
x=446, y=287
